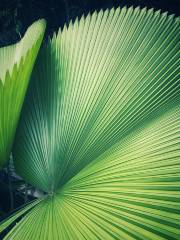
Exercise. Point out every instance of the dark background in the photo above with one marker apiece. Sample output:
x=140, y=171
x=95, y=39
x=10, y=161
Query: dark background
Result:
x=17, y=15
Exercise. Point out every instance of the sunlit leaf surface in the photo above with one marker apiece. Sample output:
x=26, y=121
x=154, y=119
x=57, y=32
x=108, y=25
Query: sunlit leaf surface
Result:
x=16, y=63
x=100, y=131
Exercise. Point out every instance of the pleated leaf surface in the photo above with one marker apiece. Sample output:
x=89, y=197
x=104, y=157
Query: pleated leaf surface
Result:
x=16, y=63
x=100, y=130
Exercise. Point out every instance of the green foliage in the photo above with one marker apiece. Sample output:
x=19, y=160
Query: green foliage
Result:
x=16, y=62
x=99, y=131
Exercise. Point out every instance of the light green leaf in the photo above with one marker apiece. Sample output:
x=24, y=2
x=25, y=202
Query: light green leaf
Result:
x=100, y=130
x=17, y=214
x=130, y=192
x=16, y=63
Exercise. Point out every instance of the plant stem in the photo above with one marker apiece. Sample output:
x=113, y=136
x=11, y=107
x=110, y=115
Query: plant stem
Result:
x=10, y=184
x=25, y=197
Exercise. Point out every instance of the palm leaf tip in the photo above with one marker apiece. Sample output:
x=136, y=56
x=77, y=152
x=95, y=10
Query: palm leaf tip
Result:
x=16, y=63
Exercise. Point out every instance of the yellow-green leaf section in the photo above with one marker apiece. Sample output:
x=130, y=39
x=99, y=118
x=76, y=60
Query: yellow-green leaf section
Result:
x=16, y=63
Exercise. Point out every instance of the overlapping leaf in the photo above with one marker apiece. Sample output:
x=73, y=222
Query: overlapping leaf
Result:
x=100, y=130
x=16, y=63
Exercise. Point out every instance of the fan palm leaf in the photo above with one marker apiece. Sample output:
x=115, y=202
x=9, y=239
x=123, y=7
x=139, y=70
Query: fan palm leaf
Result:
x=16, y=63
x=100, y=130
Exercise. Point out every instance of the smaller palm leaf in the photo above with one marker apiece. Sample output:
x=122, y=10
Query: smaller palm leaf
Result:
x=16, y=63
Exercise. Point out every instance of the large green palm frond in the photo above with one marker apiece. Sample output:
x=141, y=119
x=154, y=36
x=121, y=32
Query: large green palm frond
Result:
x=16, y=63
x=100, y=131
